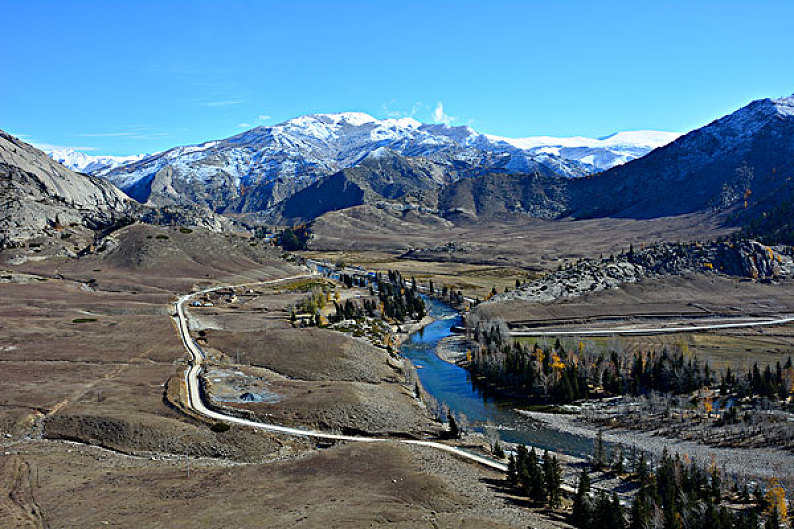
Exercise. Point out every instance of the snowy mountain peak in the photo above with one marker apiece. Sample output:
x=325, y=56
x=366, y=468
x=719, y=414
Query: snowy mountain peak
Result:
x=85, y=163
x=639, y=138
x=355, y=119
x=596, y=154
x=785, y=105
x=257, y=168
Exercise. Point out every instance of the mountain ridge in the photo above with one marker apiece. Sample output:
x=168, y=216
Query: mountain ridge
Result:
x=81, y=162
x=256, y=169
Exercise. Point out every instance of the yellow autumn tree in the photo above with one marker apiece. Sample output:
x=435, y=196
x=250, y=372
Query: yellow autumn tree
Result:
x=539, y=356
x=707, y=405
x=556, y=363
x=776, y=499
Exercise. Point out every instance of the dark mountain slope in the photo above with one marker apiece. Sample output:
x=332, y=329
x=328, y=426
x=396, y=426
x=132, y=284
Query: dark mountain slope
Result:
x=741, y=161
x=495, y=196
x=382, y=177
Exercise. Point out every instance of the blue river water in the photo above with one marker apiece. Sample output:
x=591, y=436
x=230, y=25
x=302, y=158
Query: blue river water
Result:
x=453, y=386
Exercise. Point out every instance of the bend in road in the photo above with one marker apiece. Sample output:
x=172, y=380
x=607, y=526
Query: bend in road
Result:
x=197, y=404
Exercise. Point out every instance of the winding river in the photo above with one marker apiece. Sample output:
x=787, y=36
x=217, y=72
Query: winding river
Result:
x=452, y=385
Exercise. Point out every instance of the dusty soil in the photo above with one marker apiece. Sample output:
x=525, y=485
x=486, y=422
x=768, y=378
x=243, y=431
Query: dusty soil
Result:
x=354, y=485
x=319, y=378
x=341, y=407
x=527, y=243
x=309, y=354
x=92, y=434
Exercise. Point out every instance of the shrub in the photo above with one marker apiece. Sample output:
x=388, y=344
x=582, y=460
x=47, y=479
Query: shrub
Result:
x=220, y=427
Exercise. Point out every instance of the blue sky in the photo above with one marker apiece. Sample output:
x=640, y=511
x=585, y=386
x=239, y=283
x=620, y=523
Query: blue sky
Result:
x=116, y=77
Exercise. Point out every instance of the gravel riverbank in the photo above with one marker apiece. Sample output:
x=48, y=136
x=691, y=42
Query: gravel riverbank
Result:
x=753, y=463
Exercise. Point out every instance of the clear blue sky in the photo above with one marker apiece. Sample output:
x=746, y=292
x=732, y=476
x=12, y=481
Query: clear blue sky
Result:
x=119, y=77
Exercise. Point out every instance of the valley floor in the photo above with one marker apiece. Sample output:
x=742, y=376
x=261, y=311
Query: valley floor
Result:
x=92, y=433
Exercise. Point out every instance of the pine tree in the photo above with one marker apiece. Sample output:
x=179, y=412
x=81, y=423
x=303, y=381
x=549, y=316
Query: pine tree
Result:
x=497, y=450
x=773, y=520
x=617, y=519
x=598, y=451
x=454, y=432
x=512, y=471
x=582, y=507
x=617, y=464
x=640, y=515
x=552, y=479
x=532, y=483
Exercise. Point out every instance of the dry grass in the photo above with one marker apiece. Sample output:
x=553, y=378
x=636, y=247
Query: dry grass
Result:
x=472, y=279
x=533, y=244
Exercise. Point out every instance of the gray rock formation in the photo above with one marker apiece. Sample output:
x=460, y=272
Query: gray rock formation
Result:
x=745, y=259
x=38, y=195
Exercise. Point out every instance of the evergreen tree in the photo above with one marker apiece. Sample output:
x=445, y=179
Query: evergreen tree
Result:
x=454, y=431
x=617, y=518
x=582, y=511
x=641, y=509
x=598, y=451
x=497, y=450
x=533, y=484
x=552, y=479
x=773, y=520
x=512, y=471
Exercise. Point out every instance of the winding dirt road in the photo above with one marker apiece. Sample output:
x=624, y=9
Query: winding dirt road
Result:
x=197, y=404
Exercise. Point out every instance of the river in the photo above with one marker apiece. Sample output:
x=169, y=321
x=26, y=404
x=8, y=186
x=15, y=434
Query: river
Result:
x=452, y=385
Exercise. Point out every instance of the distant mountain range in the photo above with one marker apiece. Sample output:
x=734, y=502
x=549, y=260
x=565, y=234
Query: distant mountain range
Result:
x=255, y=170
x=739, y=166
x=595, y=154
x=85, y=163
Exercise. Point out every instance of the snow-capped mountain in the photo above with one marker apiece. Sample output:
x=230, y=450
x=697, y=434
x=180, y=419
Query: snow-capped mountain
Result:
x=85, y=163
x=596, y=154
x=260, y=167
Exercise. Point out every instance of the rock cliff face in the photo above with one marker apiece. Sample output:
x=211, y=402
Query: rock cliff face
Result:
x=38, y=195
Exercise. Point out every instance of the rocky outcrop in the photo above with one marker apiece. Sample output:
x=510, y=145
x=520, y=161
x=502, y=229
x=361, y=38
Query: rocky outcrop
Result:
x=38, y=195
x=200, y=217
x=745, y=259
